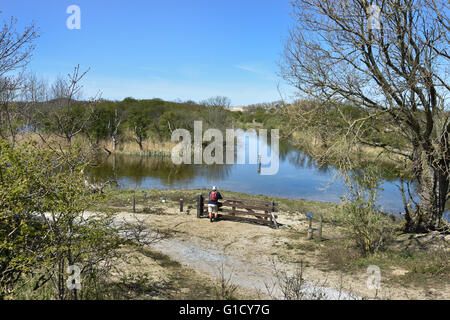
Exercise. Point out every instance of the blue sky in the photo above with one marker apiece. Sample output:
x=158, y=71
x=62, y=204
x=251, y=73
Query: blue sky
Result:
x=166, y=49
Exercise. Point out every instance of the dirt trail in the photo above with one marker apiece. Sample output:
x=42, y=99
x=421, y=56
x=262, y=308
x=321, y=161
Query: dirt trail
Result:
x=254, y=274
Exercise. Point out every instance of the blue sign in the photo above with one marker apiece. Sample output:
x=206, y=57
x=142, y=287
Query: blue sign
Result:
x=309, y=215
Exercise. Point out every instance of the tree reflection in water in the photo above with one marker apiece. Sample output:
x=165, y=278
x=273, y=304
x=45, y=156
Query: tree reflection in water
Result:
x=137, y=168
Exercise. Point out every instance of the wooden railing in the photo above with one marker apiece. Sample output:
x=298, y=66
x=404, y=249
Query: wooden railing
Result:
x=255, y=211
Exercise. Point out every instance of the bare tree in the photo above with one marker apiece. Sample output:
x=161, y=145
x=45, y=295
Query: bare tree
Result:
x=9, y=111
x=399, y=71
x=66, y=115
x=217, y=101
x=15, y=51
x=34, y=89
x=15, y=48
x=217, y=111
x=114, y=125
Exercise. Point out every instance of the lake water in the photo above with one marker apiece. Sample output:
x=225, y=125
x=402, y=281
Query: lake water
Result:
x=298, y=177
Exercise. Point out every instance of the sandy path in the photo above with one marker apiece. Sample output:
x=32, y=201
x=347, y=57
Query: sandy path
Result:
x=254, y=272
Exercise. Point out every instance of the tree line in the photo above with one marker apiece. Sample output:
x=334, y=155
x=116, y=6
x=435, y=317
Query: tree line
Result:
x=59, y=110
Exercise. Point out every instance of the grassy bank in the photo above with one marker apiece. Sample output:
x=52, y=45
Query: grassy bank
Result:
x=123, y=198
x=153, y=146
x=332, y=152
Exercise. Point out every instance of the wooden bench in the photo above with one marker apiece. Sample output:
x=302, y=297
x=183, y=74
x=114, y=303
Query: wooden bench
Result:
x=255, y=211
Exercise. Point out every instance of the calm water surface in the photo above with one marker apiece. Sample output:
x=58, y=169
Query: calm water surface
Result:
x=299, y=177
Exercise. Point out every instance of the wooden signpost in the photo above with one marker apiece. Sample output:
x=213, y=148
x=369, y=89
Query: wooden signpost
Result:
x=310, y=233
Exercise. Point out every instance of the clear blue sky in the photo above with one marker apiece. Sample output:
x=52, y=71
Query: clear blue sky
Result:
x=167, y=49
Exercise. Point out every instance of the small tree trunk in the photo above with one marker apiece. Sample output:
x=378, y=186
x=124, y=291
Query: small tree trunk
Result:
x=139, y=141
x=114, y=140
x=434, y=185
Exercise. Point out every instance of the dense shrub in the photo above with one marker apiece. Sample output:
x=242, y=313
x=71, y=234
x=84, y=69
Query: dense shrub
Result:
x=368, y=227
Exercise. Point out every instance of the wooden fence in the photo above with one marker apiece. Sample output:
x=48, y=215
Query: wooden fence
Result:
x=241, y=210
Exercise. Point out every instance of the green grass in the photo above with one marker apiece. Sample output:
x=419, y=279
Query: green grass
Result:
x=119, y=198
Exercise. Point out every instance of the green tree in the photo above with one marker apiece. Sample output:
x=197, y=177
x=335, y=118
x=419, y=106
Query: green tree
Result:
x=139, y=121
x=43, y=224
x=98, y=126
x=22, y=187
x=367, y=226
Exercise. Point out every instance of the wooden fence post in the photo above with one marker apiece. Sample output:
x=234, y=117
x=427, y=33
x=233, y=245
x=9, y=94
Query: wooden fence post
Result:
x=272, y=216
x=259, y=163
x=309, y=236
x=199, y=206
x=134, y=204
x=319, y=235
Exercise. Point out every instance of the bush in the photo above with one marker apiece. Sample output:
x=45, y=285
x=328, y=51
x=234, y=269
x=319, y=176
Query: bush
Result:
x=43, y=225
x=369, y=228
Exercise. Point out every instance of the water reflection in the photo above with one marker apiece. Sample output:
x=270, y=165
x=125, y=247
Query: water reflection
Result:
x=299, y=177
x=134, y=170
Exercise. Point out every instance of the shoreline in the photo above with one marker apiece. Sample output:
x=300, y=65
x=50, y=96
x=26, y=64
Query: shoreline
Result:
x=328, y=210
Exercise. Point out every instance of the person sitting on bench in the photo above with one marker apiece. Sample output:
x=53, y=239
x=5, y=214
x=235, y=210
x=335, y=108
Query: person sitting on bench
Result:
x=213, y=203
